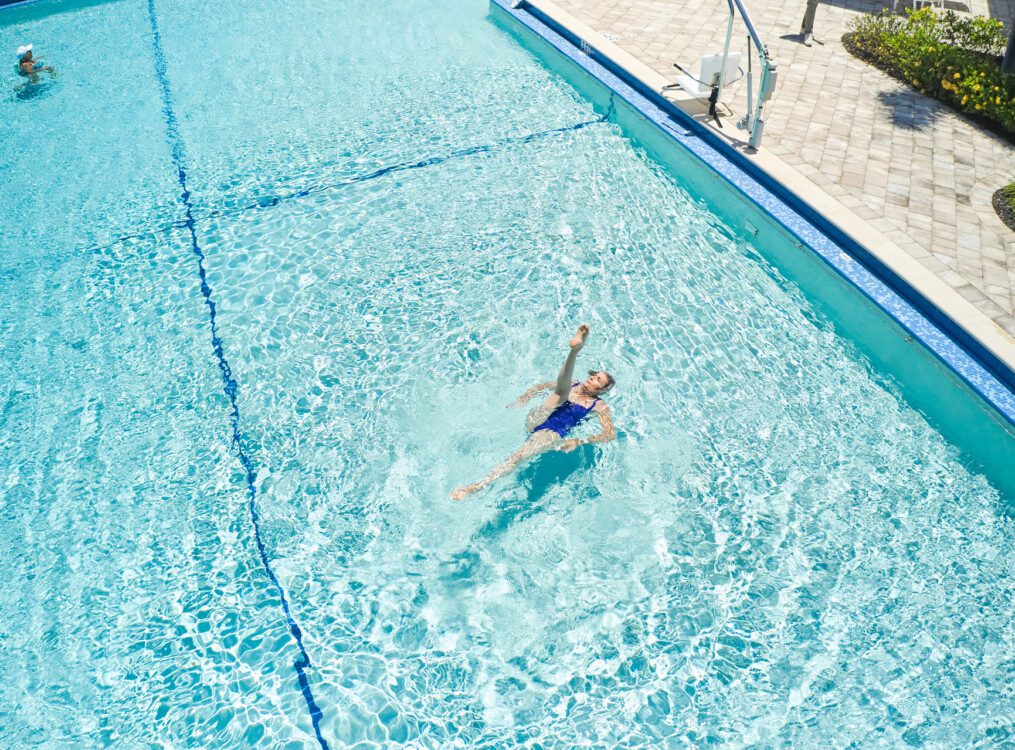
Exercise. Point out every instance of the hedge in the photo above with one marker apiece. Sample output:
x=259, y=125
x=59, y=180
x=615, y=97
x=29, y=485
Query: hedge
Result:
x=956, y=60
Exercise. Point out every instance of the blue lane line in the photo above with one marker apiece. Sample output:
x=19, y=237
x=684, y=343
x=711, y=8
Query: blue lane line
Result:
x=270, y=201
x=229, y=384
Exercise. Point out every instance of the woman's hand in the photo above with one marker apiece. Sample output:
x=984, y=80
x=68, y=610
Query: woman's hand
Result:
x=569, y=445
x=579, y=338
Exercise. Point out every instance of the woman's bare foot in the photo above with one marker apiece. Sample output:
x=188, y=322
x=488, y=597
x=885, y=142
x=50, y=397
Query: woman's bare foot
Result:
x=579, y=338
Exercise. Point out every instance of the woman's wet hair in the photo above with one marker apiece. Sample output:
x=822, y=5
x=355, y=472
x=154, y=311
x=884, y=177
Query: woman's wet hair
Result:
x=610, y=382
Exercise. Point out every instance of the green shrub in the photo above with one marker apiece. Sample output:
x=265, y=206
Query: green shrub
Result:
x=1008, y=193
x=1004, y=204
x=956, y=60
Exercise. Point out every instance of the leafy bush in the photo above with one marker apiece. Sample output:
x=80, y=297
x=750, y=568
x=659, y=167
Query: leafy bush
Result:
x=956, y=60
x=1004, y=204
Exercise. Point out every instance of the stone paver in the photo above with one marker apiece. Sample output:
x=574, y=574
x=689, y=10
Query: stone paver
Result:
x=915, y=170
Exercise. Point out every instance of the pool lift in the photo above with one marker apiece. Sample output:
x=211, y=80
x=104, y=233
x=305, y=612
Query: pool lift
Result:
x=715, y=76
x=752, y=121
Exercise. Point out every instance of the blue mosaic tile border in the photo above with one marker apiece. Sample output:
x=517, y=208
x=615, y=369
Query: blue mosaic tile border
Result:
x=849, y=259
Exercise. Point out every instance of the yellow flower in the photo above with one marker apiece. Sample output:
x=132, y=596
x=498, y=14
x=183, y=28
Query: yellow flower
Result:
x=957, y=76
x=965, y=99
x=997, y=101
x=976, y=87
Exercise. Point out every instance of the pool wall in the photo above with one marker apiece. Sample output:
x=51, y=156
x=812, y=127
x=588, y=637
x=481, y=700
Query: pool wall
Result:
x=940, y=369
x=19, y=11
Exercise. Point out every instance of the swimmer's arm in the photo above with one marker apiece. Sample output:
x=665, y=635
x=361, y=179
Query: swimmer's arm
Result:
x=605, y=436
x=527, y=396
x=606, y=422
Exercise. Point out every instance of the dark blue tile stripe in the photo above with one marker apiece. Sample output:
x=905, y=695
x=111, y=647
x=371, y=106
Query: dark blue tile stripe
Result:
x=269, y=201
x=955, y=348
x=432, y=161
x=229, y=384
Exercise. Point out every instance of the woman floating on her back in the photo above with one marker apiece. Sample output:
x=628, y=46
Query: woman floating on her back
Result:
x=550, y=424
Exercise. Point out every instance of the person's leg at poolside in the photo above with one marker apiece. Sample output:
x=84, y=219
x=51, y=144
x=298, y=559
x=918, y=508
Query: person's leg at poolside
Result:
x=807, y=27
x=538, y=442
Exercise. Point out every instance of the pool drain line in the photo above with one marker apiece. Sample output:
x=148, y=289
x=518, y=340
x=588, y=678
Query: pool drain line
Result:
x=229, y=384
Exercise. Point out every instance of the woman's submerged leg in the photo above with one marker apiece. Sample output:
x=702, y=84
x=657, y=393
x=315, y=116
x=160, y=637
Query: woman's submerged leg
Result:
x=536, y=417
x=537, y=443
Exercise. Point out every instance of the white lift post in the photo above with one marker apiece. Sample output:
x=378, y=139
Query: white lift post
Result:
x=753, y=121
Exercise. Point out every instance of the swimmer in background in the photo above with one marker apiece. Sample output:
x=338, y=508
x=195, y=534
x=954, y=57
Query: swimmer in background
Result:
x=550, y=424
x=30, y=67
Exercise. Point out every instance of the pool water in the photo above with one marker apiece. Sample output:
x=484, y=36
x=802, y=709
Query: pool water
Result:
x=270, y=273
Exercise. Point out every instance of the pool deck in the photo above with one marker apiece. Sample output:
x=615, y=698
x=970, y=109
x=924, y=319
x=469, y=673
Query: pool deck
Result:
x=903, y=175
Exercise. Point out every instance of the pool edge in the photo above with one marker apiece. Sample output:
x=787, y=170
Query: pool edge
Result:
x=989, y=374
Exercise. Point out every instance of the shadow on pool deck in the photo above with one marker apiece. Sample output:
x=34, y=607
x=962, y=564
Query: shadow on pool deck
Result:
x=909, y=109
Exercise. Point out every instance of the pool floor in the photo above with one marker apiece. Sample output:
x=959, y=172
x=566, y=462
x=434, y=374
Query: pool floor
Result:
x=268, y=299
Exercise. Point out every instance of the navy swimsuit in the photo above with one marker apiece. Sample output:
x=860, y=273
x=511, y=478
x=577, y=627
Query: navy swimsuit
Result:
x=566, y=417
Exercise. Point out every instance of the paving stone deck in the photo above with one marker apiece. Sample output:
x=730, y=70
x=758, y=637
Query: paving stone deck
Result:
x=916, y=171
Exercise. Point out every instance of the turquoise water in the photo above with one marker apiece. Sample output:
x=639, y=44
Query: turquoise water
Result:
x=400, y=214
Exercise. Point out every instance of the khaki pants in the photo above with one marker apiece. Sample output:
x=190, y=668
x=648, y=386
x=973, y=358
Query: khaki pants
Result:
x=807, y=27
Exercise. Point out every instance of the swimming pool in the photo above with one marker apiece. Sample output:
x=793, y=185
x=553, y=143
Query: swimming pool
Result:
x=266, y=295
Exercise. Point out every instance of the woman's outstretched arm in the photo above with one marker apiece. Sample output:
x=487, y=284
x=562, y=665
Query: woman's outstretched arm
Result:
x=605, y=435
x=608, y=432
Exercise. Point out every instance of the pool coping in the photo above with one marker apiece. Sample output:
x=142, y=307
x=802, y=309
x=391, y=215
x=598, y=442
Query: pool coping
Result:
x=965, y=340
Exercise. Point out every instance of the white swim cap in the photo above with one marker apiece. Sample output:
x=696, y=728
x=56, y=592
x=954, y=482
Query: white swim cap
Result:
x=23, y=50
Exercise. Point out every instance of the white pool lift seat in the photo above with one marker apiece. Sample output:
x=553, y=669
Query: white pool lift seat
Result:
x=708, y=75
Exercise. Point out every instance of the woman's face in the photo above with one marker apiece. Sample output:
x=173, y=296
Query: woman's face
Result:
x=597, y=382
